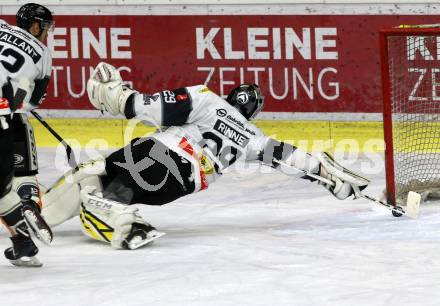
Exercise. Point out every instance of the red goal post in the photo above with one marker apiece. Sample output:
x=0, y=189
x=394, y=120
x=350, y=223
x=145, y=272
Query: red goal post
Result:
x=410, y=62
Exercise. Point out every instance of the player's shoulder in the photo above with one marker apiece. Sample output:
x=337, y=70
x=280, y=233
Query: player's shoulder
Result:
x=202, y=95
x=22, y=35
x=232, y=117
x=196, y=90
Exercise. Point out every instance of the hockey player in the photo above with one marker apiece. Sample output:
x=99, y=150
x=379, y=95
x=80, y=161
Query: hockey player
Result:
x=201, y=135
x=25, y=70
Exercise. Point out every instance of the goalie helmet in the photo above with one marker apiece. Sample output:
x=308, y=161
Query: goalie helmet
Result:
x=247, y=99
x=33, y=12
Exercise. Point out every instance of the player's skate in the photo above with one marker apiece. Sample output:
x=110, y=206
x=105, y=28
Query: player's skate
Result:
x=140, y=235
x=35, y=221
x=22, y=252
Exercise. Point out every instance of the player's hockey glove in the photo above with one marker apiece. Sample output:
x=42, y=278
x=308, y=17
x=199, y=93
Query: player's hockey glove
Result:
x=106, y=90
x=5, y=112
x=342, y=179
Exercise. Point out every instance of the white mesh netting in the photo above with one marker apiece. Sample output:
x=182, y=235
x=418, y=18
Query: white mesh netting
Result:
x=414, y=68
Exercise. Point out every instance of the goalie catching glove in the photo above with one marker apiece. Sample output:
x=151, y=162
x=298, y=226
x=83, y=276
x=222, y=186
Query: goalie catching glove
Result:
x=342, y=182
x=113, y=222
x=106, y=90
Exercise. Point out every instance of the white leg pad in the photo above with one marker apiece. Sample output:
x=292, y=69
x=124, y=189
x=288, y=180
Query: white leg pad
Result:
x=61, y=203
x=84, y=170
x=106, y=220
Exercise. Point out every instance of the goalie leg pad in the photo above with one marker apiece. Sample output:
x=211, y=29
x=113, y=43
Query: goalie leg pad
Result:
x=109, y=221
x=82, y=171
x=61, y=203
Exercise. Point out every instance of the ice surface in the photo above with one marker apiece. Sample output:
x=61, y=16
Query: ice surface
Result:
x=247, y=240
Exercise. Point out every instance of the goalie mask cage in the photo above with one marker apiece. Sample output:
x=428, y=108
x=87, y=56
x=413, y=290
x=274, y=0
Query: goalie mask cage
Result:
x=410, y=59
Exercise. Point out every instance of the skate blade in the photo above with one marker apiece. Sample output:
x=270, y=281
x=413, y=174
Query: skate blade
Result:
x=32, y=262
x=42, y=234
x=136, y=242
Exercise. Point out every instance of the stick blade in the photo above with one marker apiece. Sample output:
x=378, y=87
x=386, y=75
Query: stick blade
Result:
x=413, y=204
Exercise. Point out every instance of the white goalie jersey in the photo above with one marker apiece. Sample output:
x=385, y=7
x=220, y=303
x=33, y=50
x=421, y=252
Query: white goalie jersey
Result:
x=25, y=68
x=219, y=128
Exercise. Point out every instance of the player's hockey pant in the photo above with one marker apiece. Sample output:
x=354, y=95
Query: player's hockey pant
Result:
x=150, y=180
x=6, y=159
x=25, y=159
x=26, y=163
x=10, y=207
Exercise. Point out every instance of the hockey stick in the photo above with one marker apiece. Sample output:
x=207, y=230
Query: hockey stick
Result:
x=69, y=152
x=412, y=205
x=418, y=26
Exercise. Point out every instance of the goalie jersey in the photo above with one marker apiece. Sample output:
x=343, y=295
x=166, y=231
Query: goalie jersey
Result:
x=201, y=117
x=25, y=68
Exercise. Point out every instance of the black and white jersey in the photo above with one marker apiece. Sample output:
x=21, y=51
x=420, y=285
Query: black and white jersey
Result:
x=25, y=68
x=204, y=117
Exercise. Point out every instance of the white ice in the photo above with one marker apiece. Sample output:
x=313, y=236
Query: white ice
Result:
x=247, y=240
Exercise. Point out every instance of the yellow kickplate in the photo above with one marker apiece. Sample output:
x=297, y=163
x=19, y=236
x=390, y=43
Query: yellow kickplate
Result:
x=308, y=135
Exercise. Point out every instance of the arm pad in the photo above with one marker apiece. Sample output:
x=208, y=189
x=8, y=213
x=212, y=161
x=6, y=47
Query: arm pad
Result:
x=275, y=150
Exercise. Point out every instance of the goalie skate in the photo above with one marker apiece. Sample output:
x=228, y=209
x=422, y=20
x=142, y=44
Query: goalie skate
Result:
x=141, y=235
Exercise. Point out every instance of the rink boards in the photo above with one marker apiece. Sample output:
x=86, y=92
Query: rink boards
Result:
x=312, y=135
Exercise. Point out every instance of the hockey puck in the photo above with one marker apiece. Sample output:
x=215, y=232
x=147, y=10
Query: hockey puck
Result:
x=396, y=213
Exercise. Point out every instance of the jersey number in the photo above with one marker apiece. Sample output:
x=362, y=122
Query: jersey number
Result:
x=227, y=155
x=18, y=59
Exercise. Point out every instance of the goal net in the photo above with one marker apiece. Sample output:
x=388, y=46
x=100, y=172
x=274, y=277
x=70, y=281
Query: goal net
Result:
x=411, y=96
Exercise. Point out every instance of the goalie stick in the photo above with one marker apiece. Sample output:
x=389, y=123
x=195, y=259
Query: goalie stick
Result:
x=69, y=152
x=412, y=205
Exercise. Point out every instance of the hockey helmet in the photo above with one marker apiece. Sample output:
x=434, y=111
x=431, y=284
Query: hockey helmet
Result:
x=33, y=12
x=247, y=99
